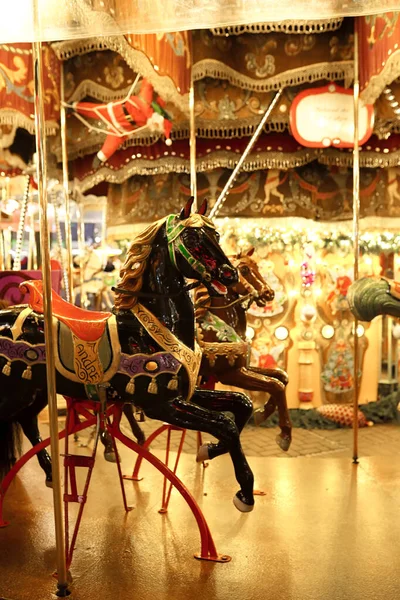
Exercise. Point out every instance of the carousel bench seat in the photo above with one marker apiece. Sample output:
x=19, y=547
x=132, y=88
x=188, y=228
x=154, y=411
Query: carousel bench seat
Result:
x=87, y=325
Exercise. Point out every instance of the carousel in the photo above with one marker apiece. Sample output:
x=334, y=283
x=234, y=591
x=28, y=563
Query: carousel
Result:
x=199, y=229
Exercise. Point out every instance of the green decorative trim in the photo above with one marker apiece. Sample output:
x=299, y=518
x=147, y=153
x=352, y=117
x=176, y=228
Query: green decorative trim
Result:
x=174, y=229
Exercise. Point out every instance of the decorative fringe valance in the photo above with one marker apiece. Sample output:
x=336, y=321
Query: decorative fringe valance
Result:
x=17, y=119
x=136, y=59
x=290, y=27
x=334, y=71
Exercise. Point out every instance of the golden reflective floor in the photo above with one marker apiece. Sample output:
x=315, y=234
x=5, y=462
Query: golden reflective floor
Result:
x=324, y=530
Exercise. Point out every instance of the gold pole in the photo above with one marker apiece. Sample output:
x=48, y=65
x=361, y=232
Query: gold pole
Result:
x=223, y=195
x=192, y=144
x=68, y=235
x=47, y=307
x=356, y=223
x=81, y=244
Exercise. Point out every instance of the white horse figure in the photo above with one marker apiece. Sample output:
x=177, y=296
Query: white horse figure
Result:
x=92, y=281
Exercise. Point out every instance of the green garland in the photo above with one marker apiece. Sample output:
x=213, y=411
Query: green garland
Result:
x=281, y=240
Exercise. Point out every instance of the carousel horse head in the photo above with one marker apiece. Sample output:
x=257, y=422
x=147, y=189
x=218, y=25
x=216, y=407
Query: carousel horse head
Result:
x=192, y=248
x=250, y=279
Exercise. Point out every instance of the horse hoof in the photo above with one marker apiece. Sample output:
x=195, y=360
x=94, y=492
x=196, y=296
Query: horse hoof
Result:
x=259, y=416
x=283, y=442
x=110, y=457
x=202, y=454
x=242, y=506
x=49, y=483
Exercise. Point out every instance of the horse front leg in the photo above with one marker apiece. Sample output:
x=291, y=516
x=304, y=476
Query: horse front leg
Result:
x=190, y=415
x=222, y=401
x=256, y=382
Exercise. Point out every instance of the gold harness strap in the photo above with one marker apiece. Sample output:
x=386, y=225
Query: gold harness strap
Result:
x=190, y=359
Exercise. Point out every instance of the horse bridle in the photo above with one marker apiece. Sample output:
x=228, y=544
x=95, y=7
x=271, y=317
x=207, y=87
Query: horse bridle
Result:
x=173, y=231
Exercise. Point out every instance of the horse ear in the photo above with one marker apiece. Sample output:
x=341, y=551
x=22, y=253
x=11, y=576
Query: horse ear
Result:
x=185, y=212
x=203, y=208
x=251, y=251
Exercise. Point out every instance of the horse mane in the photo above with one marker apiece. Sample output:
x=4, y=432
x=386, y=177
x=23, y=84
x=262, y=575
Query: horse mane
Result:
x=131, y=273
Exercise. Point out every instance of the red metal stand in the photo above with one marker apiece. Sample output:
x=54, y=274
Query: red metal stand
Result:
x=84, y=414
x=166, y=494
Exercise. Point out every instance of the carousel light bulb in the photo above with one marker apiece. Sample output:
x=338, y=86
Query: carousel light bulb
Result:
x=281, y=333
x=327, y=332
x=250, y=333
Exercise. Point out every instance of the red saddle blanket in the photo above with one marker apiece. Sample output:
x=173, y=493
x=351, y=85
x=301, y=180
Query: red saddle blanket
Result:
x=87, y=325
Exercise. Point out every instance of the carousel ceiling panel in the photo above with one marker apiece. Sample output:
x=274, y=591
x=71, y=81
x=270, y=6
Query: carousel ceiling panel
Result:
x=379, y=44
x=221, y=110
x=16, y=87
x=313, y=191
x=165, y=61
x=260, y=62
x=74, y=19
x=270, y=152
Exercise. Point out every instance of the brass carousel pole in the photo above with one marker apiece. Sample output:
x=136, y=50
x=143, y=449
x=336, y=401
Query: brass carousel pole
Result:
x=222, y=197
x=356, y=223
x=41, y=150
x=68, y=235
x=192, y=141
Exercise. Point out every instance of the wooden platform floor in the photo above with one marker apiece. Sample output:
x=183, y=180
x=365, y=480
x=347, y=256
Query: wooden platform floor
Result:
x=325, y=530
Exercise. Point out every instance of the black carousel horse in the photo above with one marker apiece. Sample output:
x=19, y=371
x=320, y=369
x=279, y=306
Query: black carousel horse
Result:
x=143, y=353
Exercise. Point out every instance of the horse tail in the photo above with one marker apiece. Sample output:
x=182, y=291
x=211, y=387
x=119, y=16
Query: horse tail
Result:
x=10, y=445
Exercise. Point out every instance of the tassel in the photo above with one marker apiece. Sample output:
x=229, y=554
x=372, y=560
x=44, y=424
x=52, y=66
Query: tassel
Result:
x=173, y=383
x=7, y=369
x=27, y=374
x=130, y=386
x=153, y=387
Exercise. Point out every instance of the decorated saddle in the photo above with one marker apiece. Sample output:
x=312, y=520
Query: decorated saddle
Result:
x=87, y=348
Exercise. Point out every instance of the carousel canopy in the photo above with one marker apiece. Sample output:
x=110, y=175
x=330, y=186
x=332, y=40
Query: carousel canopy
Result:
x=72, y=19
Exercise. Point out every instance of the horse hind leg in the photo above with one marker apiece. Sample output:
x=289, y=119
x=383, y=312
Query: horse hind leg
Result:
x=109, y=452
x=29, y=424
x=257, y=382
x=189, y=415
x=136, y=429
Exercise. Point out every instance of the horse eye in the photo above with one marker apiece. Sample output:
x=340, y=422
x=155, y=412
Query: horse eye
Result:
x=245, y=270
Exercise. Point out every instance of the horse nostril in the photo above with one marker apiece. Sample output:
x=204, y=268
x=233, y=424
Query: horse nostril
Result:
x=226, y=272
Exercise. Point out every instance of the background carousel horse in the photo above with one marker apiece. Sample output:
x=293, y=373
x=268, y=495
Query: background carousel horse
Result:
x=95, y=288
x=221, y=332
x=369, y=297
x=144, y=353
